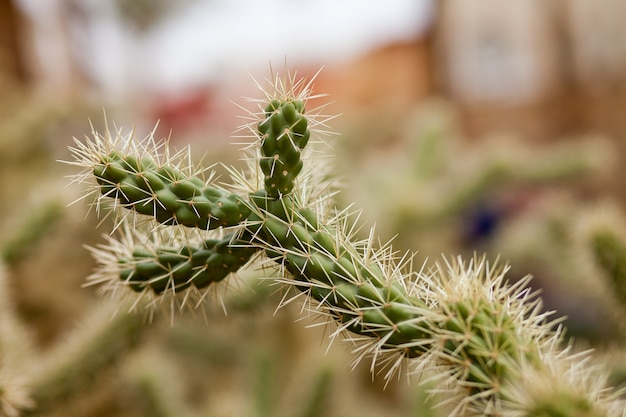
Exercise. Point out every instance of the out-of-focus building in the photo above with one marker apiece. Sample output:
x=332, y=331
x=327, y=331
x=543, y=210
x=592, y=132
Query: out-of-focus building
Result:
x=542, y=69
x=500, y=62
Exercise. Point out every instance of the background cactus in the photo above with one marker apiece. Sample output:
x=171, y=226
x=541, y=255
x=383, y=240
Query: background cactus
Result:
x=488, y=342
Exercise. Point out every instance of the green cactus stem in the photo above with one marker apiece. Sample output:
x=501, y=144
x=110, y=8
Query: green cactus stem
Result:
x=610, y=254
x=284, y=133
x=165, y=193
x=177, y=269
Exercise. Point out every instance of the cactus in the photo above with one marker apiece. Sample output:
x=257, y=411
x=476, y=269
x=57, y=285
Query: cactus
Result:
x=66, y=373
x=610, y=251
x=492, y=349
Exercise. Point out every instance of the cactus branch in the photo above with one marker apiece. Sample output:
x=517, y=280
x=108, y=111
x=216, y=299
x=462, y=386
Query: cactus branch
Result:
x=166, y=194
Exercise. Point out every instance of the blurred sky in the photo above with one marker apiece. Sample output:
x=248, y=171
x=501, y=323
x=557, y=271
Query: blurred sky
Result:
x=203, y=41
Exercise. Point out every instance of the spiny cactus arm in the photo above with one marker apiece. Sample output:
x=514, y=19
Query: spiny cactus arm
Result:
x=142, y=176
x=345, y=277
x=167, y=263
x=284, y=133
x=179, y=268
x=165, y=193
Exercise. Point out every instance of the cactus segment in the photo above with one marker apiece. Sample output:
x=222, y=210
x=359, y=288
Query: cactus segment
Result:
x=483, y=339
x=284, y=133
x=337, y=276
x=610, y=254
x=177, y=269
x=166, y=194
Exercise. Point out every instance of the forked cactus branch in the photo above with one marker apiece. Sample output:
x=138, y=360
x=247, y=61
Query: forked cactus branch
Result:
x=487, y=342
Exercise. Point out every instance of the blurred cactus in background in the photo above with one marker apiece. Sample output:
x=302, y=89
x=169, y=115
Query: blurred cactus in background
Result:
x=485, y=345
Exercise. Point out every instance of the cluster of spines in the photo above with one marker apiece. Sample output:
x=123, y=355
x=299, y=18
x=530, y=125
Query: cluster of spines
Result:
x=166, y=194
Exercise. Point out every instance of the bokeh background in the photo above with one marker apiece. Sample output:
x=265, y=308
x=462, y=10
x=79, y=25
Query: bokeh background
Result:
x=466, y=126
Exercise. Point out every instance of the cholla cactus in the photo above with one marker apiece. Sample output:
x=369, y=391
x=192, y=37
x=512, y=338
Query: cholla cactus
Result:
x=491, y=349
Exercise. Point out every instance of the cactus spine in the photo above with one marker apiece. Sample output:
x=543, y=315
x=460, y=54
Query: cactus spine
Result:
x=483, y=337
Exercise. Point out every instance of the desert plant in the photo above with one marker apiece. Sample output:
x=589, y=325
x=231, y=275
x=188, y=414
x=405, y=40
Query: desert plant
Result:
x=491, y=347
